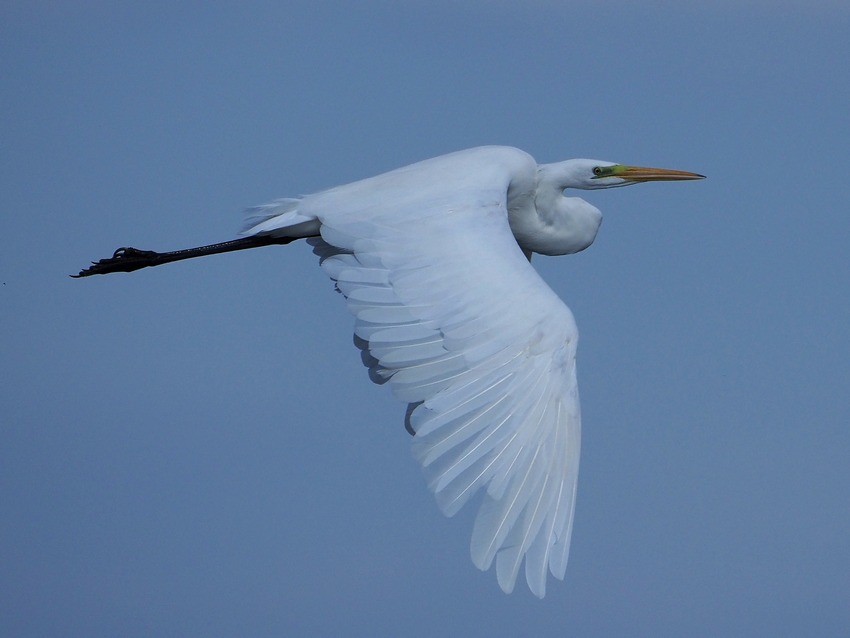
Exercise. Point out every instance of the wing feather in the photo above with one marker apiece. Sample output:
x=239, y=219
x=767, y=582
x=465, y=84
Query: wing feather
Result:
x=452, y=316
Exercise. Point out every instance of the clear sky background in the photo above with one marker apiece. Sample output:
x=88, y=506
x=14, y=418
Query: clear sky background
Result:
x=196, y=449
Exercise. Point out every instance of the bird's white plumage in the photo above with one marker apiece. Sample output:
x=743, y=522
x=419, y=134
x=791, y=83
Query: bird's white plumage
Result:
x=459, y=324
x=433, y=260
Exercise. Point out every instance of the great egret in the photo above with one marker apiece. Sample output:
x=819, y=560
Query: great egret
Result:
x=433, y=260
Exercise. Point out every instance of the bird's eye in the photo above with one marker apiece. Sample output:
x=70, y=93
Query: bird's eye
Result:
x=597, y=170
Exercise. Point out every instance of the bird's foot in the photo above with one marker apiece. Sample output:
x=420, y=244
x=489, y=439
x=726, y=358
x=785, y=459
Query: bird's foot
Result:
x=124, y=259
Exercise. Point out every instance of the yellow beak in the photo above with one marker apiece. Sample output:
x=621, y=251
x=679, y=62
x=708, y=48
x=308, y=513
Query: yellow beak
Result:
x=641, y=174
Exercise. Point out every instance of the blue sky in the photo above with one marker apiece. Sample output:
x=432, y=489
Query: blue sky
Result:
x=196, y=450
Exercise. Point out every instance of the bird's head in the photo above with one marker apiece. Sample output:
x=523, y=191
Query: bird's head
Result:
x=588, y=174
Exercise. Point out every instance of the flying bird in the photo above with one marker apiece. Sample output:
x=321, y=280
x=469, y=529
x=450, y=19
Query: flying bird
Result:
x=433, y=260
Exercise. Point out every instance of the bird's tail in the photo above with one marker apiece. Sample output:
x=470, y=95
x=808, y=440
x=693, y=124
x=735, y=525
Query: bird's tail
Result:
x=281, y=217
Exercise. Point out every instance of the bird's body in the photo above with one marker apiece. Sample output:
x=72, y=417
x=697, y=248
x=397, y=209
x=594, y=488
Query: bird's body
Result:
x=488, y=176
x=433, y=260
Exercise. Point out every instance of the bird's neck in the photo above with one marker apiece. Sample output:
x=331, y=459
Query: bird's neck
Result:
x=546, y=222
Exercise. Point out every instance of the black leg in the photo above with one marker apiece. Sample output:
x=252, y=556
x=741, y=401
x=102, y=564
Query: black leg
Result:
x=129, y=259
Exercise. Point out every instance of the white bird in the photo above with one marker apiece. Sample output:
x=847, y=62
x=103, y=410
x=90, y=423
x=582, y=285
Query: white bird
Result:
x=433, y=260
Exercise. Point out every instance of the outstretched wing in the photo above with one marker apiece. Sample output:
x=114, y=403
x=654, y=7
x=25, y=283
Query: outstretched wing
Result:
x=462, y=328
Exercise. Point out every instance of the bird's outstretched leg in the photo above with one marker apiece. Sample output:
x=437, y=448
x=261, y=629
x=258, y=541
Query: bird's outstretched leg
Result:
x=129, y=259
